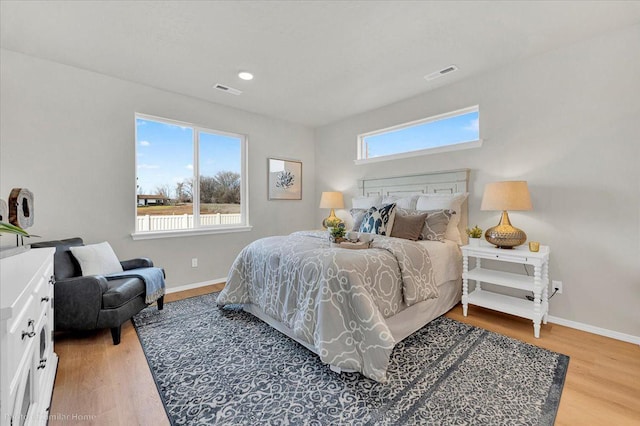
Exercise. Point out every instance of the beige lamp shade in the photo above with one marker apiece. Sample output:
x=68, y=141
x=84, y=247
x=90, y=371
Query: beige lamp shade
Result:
x=331, y=200
x=508, y=195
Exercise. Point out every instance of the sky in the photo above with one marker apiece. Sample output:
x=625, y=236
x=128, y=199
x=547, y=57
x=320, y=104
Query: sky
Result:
x=165, y=151
x=461, y=128
x=165, y=154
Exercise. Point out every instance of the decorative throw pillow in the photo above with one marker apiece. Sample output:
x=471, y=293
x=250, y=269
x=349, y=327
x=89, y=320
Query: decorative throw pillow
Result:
x=357, y=215
x=435, y=224
x=446, y=202
x=96, y=259
x=435, y=228
x=378, y=220
x=409, y=227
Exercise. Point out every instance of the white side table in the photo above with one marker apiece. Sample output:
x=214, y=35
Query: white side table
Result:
x=536, y=310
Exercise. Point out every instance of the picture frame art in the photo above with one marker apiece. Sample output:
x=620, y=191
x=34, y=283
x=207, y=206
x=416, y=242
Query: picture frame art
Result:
x=284, y=179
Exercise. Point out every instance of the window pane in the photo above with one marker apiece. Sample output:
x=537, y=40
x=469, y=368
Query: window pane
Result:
x=167, y=187
x=430, y=134
x=220, y=179
x=164, y=167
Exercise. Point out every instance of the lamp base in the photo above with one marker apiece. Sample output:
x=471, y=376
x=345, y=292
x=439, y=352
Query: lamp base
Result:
x=504, y=235
x=331, y=220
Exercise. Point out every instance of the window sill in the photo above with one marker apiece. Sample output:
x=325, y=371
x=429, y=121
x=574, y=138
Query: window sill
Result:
x=429, y=151
x=188, y=232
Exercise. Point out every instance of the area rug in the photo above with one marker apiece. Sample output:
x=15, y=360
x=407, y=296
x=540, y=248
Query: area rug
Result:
x=224, y=366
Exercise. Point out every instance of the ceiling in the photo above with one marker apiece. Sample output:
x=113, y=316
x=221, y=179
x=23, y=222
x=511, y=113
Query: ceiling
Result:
x=314, y=62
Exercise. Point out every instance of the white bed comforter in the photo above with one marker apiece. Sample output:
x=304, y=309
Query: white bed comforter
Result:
x=333, y=298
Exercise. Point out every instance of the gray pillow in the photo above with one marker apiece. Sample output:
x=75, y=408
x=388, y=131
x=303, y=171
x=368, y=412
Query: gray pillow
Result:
x=435, y=225
x=409, y=227
x=357, y=215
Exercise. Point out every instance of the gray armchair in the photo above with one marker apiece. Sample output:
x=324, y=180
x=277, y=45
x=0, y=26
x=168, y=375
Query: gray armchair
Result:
x=93, y=302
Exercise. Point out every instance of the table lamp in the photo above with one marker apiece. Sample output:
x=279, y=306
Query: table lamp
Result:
x=331, y=200
x=503, y=196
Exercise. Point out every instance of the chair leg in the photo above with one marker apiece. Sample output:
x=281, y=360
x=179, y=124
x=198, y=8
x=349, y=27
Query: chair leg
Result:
x=115, y=334
x=160, y=303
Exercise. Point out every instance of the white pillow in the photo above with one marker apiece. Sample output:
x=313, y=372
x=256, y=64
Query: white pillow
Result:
x=96, y=259
x=405, y=202
x=445, y=201
x=365, y=202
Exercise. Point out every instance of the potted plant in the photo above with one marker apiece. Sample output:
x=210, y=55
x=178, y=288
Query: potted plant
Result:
x=333, y=222
x=336, y=233
x=474, y=234
x=7, y=228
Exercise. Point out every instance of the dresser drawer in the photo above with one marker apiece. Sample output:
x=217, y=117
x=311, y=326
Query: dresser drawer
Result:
x=43, y=295
x=21, y=336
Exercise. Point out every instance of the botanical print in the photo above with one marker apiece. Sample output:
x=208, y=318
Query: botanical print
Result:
x=285, y=179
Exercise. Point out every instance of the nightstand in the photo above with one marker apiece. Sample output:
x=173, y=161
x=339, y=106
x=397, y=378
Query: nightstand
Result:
x=536, y=310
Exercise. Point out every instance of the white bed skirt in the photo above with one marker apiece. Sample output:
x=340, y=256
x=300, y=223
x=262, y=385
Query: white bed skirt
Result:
x=401, y=325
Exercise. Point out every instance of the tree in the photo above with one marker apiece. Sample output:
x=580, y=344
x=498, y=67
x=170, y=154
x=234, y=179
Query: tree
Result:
x=184, y=191
x=226, y=188
x=207, y=189
x=163, y=191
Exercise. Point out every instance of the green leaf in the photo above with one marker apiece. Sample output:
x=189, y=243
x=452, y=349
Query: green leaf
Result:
x=7, y=228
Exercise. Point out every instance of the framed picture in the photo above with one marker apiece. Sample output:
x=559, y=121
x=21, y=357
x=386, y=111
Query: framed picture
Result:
x=285, y=179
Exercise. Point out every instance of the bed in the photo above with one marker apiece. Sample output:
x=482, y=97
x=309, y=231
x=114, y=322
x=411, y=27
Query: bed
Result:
x=352, y=306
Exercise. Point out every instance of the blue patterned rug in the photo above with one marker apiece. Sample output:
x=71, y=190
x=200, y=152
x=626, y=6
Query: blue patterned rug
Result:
x=224, y=366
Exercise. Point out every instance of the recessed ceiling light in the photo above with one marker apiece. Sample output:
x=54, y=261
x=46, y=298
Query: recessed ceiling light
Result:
x=245, y=75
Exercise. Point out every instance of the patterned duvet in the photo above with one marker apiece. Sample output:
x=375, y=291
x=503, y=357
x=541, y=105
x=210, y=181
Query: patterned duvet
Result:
x=333, y=298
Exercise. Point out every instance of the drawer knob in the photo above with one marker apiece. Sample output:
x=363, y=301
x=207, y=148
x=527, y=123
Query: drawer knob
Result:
x=42, y=364
x=31, y=333
x=45, y=299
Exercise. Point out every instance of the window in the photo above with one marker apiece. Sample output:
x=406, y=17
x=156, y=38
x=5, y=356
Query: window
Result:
x=444, y=132
x=188, y=179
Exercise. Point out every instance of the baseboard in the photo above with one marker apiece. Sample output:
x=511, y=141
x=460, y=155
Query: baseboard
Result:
x=595, y=330
x=170, y=290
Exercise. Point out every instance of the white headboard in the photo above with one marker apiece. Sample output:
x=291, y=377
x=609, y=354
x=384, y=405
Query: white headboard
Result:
x=447, y=182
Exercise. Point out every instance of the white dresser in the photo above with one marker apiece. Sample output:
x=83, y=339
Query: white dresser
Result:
x=27, y=361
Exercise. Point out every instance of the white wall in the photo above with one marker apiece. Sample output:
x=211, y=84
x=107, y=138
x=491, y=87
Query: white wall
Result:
x=68, y=135
x=567, y=122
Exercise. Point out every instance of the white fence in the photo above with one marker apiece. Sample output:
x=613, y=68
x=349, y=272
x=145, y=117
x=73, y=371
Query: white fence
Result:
x=184, y=221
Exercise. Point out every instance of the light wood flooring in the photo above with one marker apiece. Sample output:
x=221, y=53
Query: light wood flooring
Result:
x=102, y=384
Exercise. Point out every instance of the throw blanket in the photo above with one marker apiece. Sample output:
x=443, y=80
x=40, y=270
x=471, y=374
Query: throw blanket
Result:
x=333, y=298
x=153, y=279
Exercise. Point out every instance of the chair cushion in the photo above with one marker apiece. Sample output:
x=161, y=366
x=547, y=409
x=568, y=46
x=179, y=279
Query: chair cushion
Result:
x=122, y=291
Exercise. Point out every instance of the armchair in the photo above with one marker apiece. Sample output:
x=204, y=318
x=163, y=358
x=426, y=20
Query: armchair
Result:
x=93, y=302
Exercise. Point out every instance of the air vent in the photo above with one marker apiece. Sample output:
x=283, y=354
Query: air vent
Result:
x=444, y=71
x=227, y=89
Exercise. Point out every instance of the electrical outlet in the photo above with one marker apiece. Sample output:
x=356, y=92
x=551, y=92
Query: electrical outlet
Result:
x=194, y=262
x=557, y=285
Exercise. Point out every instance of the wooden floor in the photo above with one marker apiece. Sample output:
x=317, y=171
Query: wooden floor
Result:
x=102, y=384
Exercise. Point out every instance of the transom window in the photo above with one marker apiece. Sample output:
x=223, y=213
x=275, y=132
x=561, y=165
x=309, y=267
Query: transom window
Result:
x=188, y=177
x=445, y=132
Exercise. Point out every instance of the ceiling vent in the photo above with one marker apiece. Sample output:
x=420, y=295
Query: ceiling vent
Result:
x=444, y=71
x=227, y=89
